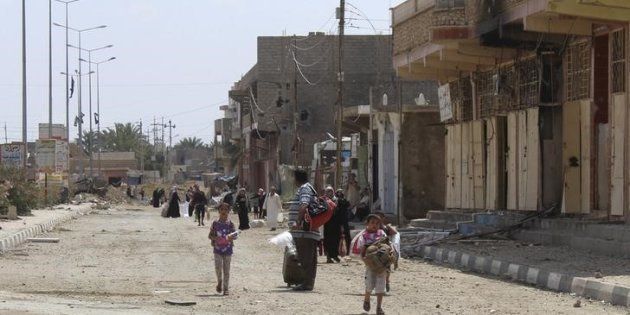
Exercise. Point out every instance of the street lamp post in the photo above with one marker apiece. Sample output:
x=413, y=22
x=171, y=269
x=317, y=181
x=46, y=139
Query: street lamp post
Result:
x=67, y=71
x=79, y=119
x=89, y=61
x=98, y=106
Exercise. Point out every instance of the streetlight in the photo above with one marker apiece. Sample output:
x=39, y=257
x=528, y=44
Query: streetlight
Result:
x=67, y=77
x=89, y=51
x=98, y=105
x=79, y=118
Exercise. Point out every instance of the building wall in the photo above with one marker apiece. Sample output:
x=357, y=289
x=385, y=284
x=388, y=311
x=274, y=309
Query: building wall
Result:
x=422, y=160
x=367, y=62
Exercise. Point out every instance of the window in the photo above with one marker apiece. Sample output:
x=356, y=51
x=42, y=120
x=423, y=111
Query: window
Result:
x=449, y=4
x=618, y=61
x=578, y=68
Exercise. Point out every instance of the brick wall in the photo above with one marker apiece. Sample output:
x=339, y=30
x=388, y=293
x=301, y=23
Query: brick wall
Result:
x=367, y=62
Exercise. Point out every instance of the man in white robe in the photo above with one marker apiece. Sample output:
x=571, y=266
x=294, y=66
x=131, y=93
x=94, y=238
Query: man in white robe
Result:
x=273, y=207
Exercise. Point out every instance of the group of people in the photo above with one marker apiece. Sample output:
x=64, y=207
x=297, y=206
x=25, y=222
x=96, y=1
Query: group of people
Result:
x=337, y=237
x=195, y=197
x=267, y=206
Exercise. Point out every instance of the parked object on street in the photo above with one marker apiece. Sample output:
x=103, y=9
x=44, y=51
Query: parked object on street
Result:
x=292, y=272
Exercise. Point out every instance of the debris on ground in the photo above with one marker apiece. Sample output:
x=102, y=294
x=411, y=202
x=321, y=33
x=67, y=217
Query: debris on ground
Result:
x=180, y=303
x=577, y=303
x=43, y=240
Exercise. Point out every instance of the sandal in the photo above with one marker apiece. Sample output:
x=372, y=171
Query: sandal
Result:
x=366, y=306
x=379, y=311
x=226, y=292
x=219, y=286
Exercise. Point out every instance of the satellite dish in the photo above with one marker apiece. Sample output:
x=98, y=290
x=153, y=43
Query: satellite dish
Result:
x=385, y=99
x=421, y=100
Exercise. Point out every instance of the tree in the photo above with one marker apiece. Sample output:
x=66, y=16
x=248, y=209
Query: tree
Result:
x=190, y=143
x=123, y=138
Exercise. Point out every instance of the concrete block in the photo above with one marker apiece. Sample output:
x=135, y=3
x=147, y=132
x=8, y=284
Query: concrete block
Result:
x=553, y=281
x=532, y=275
x=12, y=213
x=512, y=271
x=495, y=268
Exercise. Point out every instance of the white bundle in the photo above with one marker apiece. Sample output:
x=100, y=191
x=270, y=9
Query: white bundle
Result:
x=283, y=239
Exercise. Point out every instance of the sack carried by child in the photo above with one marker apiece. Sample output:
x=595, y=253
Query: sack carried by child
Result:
x=379, y=255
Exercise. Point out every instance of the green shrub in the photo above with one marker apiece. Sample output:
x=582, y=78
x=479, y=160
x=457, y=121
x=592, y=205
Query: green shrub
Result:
x=24, y=195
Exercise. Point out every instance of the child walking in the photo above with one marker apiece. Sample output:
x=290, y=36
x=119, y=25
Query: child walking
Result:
x=222, y=234
x=375, y=280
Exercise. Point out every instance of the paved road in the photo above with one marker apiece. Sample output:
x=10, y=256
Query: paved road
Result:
x=130, y=261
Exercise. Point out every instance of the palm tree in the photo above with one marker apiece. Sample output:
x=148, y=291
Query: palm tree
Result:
x=123, y=137
x=190, y=143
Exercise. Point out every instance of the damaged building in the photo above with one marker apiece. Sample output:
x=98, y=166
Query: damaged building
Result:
x=537, y=99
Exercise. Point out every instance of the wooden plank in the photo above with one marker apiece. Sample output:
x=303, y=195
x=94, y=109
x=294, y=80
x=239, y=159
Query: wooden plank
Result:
x=449, y=167
x=532, y=196
x=586, y=144
x=478, y=164
x=522, y=161
x=512, y=154
x=492, y=167
x=617, y=131
x=457, y=156
x=501, y=136
x=467, y=182
x=571, y=157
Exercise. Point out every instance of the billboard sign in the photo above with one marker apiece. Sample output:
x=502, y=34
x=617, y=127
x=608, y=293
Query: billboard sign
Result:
x=12, y=154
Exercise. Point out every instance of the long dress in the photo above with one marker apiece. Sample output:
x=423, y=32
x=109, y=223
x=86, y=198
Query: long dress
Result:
x=156, y=198
x=173, y=206
x=332, y=234
x=242, y=205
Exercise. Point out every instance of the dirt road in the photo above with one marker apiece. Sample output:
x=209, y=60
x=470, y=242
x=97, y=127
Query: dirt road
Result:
x=128, y=261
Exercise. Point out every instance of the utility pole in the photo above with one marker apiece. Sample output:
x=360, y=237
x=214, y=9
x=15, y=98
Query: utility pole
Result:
x=141, y=150
x=50, y=101
x=170, y=127
x=342, y=23
x=162, y=125
x=24, y=135
x=155, y=137
x=6, y=137
x=295, y=106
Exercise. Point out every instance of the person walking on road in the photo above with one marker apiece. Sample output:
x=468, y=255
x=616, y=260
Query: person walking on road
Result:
x=173, y=204
x=261, y=202
x=342, y=216
x=273, y=207
x=332, y=231
x=222, y=234
x=241, y=205
x=199, y=201
x=305, y=237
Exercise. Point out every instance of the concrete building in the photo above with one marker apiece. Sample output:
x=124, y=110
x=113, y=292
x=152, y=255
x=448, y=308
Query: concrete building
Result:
x=286, y=102
x=404, y=143
x=538, y=92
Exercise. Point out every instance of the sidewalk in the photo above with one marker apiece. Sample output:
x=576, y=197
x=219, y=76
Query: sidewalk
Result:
x=15, y=232
x=603, y=278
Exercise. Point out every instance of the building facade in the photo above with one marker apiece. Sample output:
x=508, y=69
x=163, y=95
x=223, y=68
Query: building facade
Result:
x=538, y=92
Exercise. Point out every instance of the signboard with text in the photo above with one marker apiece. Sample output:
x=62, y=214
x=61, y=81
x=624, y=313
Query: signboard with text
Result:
x=446, y=108
x=12, y=154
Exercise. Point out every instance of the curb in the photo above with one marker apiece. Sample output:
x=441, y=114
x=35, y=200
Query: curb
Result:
x=601, y=291
x=20, y=237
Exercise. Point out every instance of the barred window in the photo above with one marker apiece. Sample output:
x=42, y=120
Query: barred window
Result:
x=618, y=61
x=578, y=71
x=461, y=98
x=528, y=82
x=486, y=86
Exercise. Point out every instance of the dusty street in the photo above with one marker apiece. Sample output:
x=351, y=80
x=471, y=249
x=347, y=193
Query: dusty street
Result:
x=130, y=260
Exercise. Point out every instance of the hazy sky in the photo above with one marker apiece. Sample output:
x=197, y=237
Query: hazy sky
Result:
x=175, y=58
